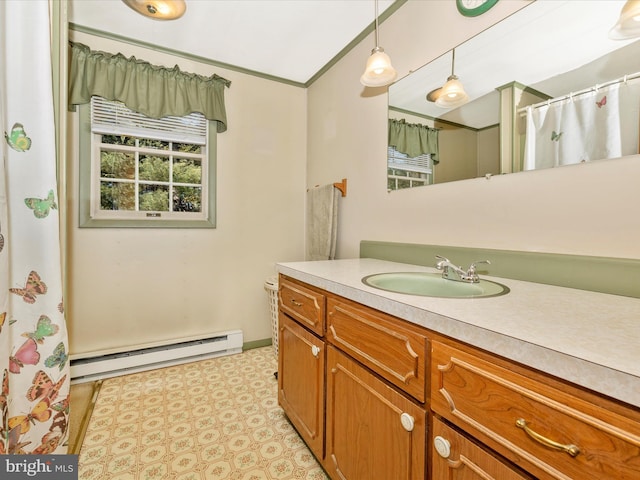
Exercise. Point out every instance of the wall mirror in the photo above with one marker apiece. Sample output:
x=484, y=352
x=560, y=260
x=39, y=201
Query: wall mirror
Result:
x=517, y=74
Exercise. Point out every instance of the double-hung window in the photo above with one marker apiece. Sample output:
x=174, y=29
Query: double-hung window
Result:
x=147, y=172
x=404, y=171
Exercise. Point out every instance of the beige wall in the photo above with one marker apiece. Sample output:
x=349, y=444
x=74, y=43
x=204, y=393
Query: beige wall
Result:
x=458, y=154
x=132, y=286
x=588, y=209
x=489, y=151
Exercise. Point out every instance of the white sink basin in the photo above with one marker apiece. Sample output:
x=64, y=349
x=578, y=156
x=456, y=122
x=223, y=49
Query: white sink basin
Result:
x=433, y=285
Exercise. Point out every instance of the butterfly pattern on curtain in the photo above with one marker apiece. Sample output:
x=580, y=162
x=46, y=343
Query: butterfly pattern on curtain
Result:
x=582, y=128
x=34, y=360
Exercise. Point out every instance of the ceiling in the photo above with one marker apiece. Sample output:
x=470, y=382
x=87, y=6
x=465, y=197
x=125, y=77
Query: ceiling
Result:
x=290, y=40
x=293, y=40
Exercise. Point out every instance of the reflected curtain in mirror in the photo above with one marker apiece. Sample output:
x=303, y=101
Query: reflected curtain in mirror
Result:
x=154, y=91
x=414, y=139
x=584, y=127
x=412, y=153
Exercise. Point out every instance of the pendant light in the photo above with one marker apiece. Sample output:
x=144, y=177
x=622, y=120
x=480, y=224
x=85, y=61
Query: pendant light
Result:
x=452, y=93
x=158, y=9
x=628, y=25
x=379, y=72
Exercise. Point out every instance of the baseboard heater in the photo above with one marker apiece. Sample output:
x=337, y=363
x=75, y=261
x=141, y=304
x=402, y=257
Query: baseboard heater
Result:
x=156, y=356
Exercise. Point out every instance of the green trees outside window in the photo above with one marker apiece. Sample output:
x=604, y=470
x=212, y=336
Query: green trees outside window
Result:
x=142, y=174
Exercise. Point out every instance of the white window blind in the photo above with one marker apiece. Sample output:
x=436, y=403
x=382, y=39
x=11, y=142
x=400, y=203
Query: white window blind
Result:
x=402, y=161
x=114, y=118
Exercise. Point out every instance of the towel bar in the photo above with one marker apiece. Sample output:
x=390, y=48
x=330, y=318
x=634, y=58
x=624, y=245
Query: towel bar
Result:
x=342, y=186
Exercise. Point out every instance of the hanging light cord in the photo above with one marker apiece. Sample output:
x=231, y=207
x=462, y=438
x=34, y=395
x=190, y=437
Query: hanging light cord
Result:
x=376, y=7
x=453, y=60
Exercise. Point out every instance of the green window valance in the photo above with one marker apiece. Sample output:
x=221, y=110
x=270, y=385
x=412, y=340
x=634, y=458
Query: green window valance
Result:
x=413, y=139
x=151, y=90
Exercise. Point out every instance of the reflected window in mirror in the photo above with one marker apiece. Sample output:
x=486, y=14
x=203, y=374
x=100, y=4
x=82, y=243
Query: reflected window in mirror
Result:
x=412, y=154
x=404, y=171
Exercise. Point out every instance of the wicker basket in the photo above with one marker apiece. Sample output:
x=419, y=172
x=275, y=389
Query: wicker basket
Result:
x=271, y=286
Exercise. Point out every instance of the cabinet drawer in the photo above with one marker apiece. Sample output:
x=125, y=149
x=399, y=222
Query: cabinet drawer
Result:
x=552, y=433
x=303, y=304
x=381, y=342
x=465, y=459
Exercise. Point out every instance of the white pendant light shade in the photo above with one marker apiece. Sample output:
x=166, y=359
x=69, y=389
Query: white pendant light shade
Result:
x=452, y=94
x=628, y=25
x=379, y=71
x=158, y=9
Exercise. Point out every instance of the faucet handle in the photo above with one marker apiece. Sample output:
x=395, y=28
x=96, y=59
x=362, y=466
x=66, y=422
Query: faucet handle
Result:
x=472, y=267
x=444, y=261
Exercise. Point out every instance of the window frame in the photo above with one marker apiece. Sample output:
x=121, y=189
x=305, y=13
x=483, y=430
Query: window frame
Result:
x=413, y=164
x=86, y=165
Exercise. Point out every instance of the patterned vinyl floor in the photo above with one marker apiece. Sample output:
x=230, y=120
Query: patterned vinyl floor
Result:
x=216, y=419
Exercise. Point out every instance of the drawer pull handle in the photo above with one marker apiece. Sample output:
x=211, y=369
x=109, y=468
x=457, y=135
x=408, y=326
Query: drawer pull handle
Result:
x=570, y=449
x=315, y=350
x=297, y=304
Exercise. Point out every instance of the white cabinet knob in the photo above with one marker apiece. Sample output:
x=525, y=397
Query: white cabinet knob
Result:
x=407, y=421
x=315, y=350
x=442, y=446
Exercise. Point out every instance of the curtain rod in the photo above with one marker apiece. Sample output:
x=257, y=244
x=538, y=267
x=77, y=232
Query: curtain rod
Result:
x=595, y=88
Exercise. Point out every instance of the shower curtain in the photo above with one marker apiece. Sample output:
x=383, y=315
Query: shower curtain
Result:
x=602, y=123
x=34, y=367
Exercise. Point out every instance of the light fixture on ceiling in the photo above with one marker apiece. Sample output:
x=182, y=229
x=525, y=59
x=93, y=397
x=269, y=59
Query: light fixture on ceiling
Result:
x=158, y=9
x=452, y=93
x=628, y=25
x=379, y=72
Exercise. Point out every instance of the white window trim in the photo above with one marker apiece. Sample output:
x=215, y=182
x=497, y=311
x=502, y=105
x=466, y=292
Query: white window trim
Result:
x=89, y=188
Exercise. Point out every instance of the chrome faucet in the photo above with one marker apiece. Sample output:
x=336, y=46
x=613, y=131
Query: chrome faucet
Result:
x=452, y=272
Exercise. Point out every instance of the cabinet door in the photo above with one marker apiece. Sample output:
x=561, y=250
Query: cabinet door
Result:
x=457, y=458
x=301, y=357
x=372, y=431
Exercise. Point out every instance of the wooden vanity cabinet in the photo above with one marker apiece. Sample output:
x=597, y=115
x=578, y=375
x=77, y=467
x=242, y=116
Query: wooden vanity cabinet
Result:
x=392, y=348
x=301, y=362
x=303, y=304
x=376, y=384
x=362, y=388
x=550, y=429
x=301, y=382
x=374, y=424
x=372, y=431
x=456, y=457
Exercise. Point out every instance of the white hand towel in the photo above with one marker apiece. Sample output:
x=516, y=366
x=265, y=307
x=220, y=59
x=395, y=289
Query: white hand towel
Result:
x=322, y=223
